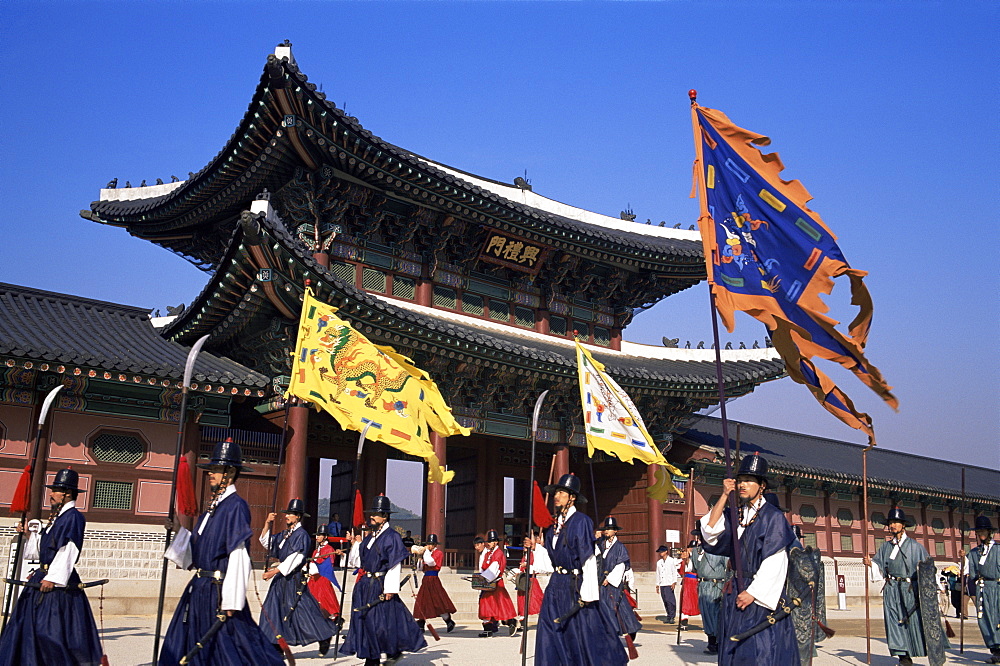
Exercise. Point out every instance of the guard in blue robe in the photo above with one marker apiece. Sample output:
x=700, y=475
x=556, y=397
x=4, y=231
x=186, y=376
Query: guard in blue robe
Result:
x=896, y=563
x=55, y=626
x=713, y=572
x=764, y=539
x=219, y=552
x=380, y=622
x=615, y=562
x=984, y=571
x=289, y=604
x=588, y=636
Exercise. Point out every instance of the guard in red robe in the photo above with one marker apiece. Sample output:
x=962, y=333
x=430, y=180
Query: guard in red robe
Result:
x=321, y=578
x=689, y=586
x=495, y=606
x=540, y=564
x=432, y=599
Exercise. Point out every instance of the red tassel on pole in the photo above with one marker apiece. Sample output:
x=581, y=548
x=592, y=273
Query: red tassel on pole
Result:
x=359, y=511
x=541, y=515
x=186, y=502
x=22, y=494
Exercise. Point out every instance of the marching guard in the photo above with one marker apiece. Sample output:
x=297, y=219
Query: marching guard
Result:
x=572, y=629
x=495, y=606
x=290, y=609
x=52, y=622
x=689, y=587
x=984, y=571
x=896, y=563
x=712, y=571
x=754, y=622
x=219, y=552
x=540, y=564
x=615, y=561
x=380, y=622
x=432, y=599
x=322, y=579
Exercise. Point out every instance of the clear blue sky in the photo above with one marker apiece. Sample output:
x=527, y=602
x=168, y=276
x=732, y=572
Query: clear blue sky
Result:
x=887, y=111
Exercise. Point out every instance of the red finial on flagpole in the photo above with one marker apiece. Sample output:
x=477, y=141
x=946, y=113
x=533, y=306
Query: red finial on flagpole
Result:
x=308, y=282
x=693, y=94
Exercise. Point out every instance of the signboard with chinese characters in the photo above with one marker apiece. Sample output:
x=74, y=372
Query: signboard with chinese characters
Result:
x=513, y=252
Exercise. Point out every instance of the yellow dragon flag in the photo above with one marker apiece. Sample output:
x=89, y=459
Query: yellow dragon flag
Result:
x=341, y=371
x=612, y=424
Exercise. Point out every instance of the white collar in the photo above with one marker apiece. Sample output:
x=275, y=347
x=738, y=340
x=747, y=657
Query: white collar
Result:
x=230, y=490
x=67, y=506
x=610, y=541
x=901, y=538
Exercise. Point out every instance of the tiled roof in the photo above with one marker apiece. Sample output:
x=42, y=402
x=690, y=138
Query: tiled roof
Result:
x=798, y=453
x=43, y=326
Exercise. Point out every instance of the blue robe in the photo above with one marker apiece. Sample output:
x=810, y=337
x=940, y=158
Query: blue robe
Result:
x=54, y=627
x=240, y=641
x=588, y=638
x=613, y=601
x=987, y=592
x=712, y=573
x=289, y=605
x=768, y=534
x=899, y=597
x=387, y=627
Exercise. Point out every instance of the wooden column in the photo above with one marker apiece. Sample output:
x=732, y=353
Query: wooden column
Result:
x=656, y=516
x=542, y=321
x=322, y=258
x=562, y=463
x=434, y=523
x=616, y=339
x=425, y=291
x=293, y=472
x=371, y=479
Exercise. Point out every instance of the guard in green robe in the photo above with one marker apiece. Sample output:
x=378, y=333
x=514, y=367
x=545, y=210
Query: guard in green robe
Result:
x=984, y=571
x=896, y=562
x=713, y=571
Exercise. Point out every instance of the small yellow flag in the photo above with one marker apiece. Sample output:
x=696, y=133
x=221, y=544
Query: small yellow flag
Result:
x=341, y=371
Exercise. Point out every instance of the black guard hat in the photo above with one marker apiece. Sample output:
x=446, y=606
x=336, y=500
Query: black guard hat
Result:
x=571, y=484
x=431, y=538
x=226, y=453
x=381, y=504
x=610, y=524
x=296, y=506
x=492, y=535
x=983, y=523
x=896, y=515
x=66, y=479
x=754, y=465
x=321, y=530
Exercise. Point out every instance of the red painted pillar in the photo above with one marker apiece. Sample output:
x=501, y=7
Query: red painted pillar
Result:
x=655, y=508
x=425, y=291
x=542, y=321
x=562, y=463
x=435, y=491
x=293, y=471
x=322, y=258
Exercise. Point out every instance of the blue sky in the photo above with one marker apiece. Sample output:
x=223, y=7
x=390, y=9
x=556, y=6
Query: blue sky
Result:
x=886, y=111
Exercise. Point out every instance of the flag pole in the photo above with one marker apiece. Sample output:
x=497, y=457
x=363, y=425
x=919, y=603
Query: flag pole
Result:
x=277, y=472
x=864, y=537
x=178, y=450
x=531, y=517
x=962, y=574
x=347, y=555
x=703, y=219
x=8, y=605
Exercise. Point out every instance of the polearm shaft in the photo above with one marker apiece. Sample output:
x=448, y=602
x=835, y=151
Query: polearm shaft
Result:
x=531, y=518
x=961, y=575
x=864, y=538
x=705, y=218
x=18, y=546
x=178, y=451
x=347, y=555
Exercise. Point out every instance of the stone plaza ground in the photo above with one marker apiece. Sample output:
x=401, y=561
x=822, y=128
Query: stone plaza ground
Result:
x=128, y=640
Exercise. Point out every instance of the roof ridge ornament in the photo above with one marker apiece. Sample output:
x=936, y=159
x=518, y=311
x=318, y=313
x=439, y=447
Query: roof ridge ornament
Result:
x=284, y=50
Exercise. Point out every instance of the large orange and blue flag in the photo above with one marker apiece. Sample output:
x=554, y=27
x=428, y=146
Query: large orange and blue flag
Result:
x=769, y=255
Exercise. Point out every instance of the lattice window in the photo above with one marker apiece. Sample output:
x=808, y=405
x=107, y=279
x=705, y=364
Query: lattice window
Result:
x=808, y=513
x=345, y=272
x=404, y=287
x=602, y=336
x=939, y=549
x=846, y=543
x=373, y=280
x=499, y=311
x=473, y=304
x=444, y=297
x=557, y=325
x=524, y=317
x=117, y=447
x=112, y=495
x=809, y=540
x=845, y=517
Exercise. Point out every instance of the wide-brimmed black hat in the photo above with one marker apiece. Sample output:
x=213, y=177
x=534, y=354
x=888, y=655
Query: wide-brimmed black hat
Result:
x=754, y=465
x=381, y=504
x=571, y=484
x=297, y=506
x=663, y=549
x=610, y=524
x=66, y=479
x=431, y=538
x=226, y=453
x=896, y=515
x=322, y=530
x=478, y=539
x=983, y=523
x=696, y=531
x=492, y=535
